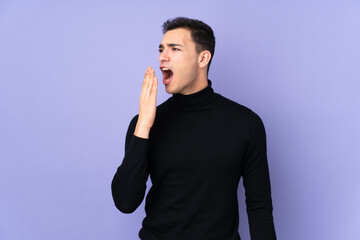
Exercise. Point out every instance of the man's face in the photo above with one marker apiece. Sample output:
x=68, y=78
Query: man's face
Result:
x=178, y=62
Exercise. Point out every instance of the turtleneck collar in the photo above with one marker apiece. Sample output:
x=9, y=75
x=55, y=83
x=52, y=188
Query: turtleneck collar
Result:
x=196, y=101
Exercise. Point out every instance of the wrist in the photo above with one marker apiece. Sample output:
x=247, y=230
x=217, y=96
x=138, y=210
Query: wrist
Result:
x=142, y=131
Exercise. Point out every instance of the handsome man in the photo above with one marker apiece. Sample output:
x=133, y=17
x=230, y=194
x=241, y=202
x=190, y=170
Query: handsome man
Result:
x=195, y=146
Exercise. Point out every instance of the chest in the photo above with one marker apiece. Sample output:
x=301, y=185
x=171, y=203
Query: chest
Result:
x=191, y=144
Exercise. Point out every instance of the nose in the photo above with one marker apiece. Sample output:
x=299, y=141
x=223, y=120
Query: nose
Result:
x=164, y=56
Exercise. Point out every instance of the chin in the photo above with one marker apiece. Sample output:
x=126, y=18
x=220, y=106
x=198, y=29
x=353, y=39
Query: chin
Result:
x=169, y=90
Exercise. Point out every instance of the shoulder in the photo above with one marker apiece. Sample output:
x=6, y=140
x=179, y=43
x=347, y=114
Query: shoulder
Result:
x=236, y=109
x=245, y=118
x=163, y=107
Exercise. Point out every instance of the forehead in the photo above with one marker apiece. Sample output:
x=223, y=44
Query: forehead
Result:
x=179, y=36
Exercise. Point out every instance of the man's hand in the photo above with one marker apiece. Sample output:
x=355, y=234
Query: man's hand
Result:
x=147, y=108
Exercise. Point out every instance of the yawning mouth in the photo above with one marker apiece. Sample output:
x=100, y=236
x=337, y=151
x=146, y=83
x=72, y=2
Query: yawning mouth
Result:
x=167, y=74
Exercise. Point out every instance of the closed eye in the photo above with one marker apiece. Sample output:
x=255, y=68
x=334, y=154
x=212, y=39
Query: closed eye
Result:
x=175, y=49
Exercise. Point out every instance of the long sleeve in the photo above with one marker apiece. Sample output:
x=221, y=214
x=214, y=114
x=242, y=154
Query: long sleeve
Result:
x=256, y=182
x=129, y=183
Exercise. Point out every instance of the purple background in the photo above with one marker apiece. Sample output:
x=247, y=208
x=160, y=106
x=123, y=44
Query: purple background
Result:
x=70, y=79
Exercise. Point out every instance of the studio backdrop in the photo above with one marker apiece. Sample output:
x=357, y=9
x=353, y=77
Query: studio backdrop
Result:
x=70, y=81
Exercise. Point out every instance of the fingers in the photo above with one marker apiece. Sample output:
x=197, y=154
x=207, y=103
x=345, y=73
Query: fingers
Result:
x=147, y=105
x=148, y=83
x=154, y=87
x=145, y=84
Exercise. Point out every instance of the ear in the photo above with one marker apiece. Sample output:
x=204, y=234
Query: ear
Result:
x=204, y=59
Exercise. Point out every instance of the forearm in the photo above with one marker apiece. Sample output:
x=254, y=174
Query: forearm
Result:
x=259, y=204
x=129, y=183
x=259, y=210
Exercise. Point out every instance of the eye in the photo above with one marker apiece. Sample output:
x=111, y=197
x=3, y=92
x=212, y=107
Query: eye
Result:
x=160, y=50
x=175, y=49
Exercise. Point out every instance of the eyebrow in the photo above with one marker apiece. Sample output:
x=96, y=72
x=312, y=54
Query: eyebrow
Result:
x=171, y=45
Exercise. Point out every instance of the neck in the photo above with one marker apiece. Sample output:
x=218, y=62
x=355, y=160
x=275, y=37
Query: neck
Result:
x=200, y=83
x=196, y=101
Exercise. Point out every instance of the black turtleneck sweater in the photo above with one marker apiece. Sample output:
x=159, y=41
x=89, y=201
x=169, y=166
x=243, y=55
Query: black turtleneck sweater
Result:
x=198, y=148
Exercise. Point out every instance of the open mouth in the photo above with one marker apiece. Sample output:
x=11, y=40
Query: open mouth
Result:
x=167, y=74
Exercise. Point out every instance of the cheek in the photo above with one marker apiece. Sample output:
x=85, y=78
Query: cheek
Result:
x=187, y=62
x=180, y=65
x=184, y=65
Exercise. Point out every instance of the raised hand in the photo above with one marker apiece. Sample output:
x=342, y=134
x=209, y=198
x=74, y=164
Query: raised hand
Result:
x=147, y=106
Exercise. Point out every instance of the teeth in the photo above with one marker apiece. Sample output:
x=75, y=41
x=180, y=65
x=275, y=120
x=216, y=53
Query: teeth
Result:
x=165, y=69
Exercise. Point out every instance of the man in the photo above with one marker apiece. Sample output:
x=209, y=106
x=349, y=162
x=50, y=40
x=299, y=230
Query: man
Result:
x=195, y=146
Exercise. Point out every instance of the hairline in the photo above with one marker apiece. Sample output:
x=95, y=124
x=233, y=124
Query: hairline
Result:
x=197, y=45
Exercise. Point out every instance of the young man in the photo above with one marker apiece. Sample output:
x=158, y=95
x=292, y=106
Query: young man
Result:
x=195, y=146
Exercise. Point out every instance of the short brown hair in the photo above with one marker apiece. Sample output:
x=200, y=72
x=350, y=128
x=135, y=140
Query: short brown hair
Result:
x=201, y=33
